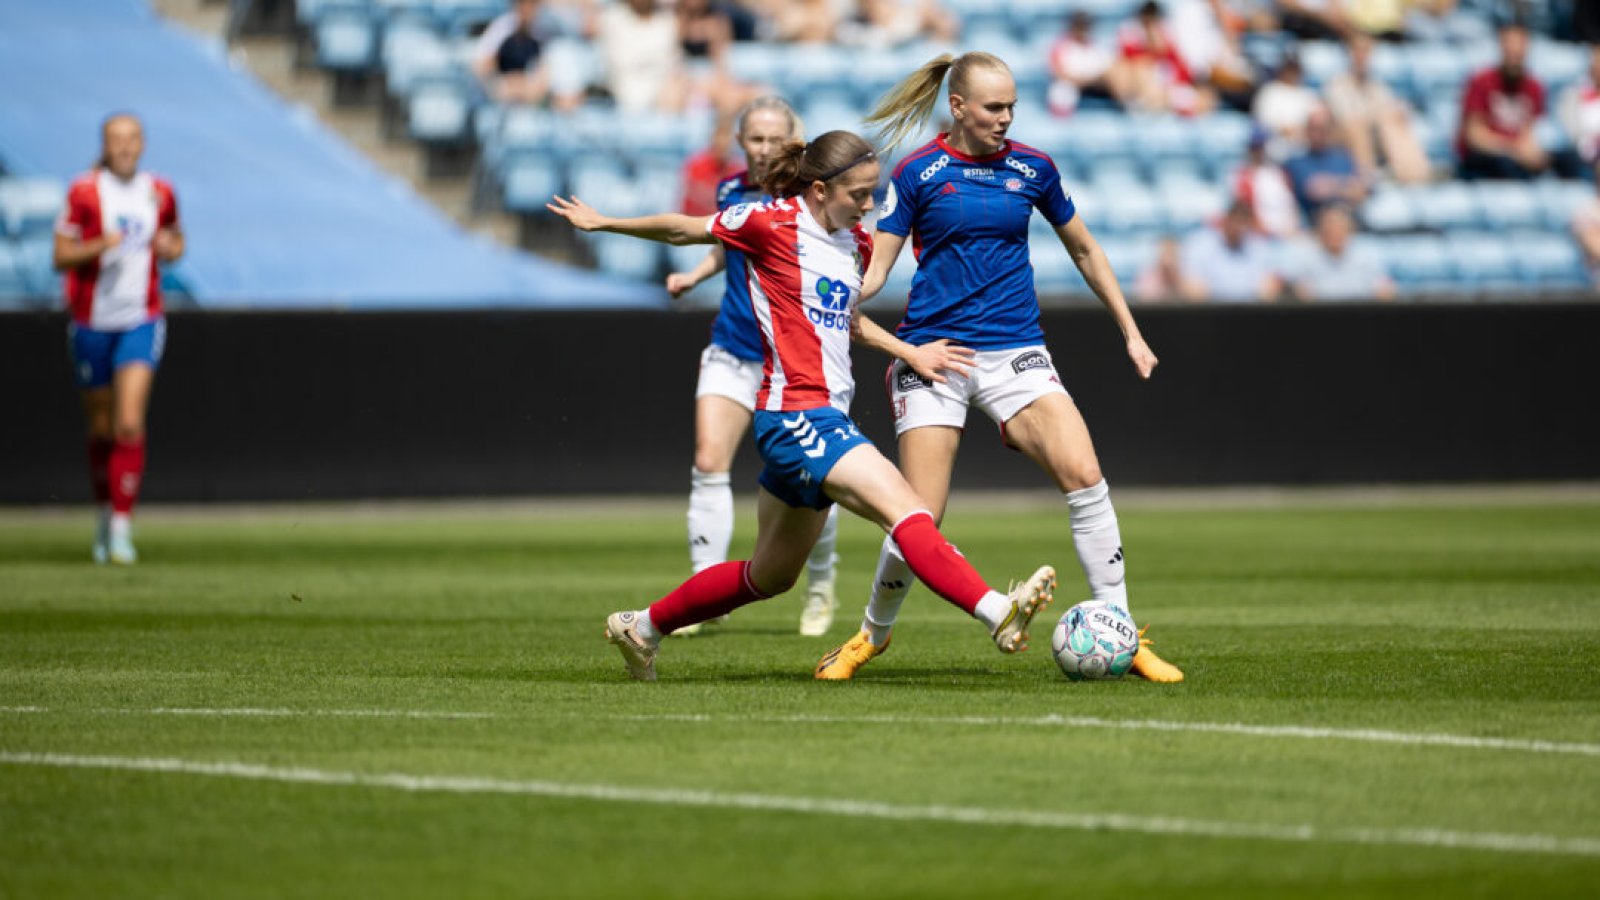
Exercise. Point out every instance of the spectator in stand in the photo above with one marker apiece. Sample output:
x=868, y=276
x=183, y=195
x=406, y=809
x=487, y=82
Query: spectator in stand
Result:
x=805, y=21
x=1374, y=121
x=643, y=58
x=1498, y=111
x=1385, y=19
x=1283, y=106
x=704, y=171
x=1334, y=267
x=891, y=23
x=1586, y=230
x=1431, y=20
x=1580, y=113
x=1158, y=78
x=1262, y=185
x=1316, y=20
x=1162, y=280
x=510, y=62
x=1326, y=172
x=1081, y=68
x=705, y=31
x=570, y=19
x=1228, y=263
x=1207, y=35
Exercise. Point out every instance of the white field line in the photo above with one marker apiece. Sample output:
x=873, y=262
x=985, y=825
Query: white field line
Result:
x=1303, y=732
x=1307, y=732
x=862, y=809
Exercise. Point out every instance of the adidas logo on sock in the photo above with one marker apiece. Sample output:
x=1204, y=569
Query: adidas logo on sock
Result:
x=700, y=540
x=1115, y=559
x=891, y=585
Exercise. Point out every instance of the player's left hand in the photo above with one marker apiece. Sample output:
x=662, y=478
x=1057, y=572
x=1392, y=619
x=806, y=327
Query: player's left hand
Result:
x=167, y=244
x=1143, y=359
x=582, y=216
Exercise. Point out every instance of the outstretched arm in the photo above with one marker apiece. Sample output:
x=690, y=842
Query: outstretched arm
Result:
x=1091, y=261
x=715, y=261
x=667, y=228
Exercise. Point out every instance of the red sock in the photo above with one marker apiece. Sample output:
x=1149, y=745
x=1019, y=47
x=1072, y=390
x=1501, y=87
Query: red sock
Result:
x=125, y=471
x=99, y=456
x=712, y=592
x=940, y=566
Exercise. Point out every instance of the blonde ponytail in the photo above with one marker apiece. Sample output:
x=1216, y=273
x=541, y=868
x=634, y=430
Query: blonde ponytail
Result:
x=908, y=105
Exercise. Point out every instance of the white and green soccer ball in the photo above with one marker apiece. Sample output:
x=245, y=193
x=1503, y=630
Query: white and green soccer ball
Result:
x=1095, y=640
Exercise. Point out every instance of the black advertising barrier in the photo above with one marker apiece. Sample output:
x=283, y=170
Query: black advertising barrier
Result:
x=307, y=406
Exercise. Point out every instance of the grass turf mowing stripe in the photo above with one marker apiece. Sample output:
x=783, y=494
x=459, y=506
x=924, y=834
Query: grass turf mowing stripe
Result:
x=965, y=815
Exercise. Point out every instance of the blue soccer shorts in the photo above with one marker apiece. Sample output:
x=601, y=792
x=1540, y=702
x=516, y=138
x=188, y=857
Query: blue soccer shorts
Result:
x=800, y=449
x=97, y=355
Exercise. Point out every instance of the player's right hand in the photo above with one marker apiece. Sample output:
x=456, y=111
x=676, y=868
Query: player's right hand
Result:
x=678, y=283
x=931, y=361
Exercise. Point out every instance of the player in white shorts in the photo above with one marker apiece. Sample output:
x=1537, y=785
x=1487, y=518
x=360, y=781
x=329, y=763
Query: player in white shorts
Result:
x=971, y=335
x=730, y=376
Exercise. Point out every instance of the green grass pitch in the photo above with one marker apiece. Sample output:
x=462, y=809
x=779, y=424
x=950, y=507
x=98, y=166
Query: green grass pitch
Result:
x=1398, y=699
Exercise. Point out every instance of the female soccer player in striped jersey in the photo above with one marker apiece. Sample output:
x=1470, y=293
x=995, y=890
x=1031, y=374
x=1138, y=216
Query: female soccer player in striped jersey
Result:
x=730, y=374
x=965, y=198
x=806, y=253
x=117, y=225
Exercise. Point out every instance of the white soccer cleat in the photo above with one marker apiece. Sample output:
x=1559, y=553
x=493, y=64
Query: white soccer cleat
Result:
x=622, y=629
x=817, y=617
x=102, y=542
x=120, y=550
x=1027, y=598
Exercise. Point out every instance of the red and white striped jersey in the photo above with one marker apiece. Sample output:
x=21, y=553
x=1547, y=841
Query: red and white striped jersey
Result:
x=804, y=285
x=121, y=289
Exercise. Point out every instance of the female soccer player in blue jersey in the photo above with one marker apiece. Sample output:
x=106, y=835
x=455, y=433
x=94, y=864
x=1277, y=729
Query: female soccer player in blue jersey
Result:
x=730, y=374
x=965, y=198
x=806, y=253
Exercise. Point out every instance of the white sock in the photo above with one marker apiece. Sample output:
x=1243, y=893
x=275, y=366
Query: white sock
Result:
x=646, y=628
x=993, y=609
x=1099, y=543
x=710, y=518
x=890, y=585
x=121, y=526
x=819, y=566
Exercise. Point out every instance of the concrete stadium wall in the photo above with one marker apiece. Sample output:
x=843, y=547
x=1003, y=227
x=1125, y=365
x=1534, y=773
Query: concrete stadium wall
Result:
x=302, y=406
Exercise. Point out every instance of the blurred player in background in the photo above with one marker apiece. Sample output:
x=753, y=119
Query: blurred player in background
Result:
x=117, y=225
x=806, y=254
x=730, y=374
x=966, y=196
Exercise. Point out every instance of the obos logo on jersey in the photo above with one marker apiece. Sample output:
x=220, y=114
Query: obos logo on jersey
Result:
x=835, y=297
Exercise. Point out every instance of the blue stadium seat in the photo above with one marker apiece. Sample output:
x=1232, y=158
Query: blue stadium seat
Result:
x=460, y=17
x=1389, y=209
x=1509, y=204
x=1485, y=260
x=35, y=263
x=530, y=179
x=1322, y=60
x=1447, y=205
x=1434, y=66
x=439, y=111
x=1129, y=256
x=1561, y=199
x=1098, y=136
x=1557, y=64
x=1161, y=140
x=309, y=12
x=1115, y=172
x=618, y=254
x=1420, y=264
x=1052, y=268
x=1550, y=261
x=602, y=183
x=1188, y=204
x=411, y=55
x=1133, y=210
x=13, y=286
x=1221, y=138
x=346, y=41
x=29, y=206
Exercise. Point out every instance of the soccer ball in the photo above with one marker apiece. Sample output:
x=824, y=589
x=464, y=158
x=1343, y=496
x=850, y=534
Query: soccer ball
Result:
x=1095, y=640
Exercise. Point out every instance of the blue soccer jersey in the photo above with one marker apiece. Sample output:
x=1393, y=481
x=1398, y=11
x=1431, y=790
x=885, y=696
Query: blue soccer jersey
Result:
x=735, y=328
x=968, y=221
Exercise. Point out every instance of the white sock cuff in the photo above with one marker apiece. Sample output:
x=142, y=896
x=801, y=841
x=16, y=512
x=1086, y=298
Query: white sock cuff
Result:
x=892, y=548
x=1090, y=507
x=708, y=479
x=904, y=519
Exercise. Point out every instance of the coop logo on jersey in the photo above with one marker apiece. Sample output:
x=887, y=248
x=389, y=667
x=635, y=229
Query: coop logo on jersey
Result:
x=932, y=170
x=1028, y=171
x=1013, y=184
x=1033, y=359
x=733, y=218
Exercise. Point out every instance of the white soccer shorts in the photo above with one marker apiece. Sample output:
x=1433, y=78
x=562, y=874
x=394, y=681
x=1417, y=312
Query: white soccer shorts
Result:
x=724, y=375
x=1002, y=384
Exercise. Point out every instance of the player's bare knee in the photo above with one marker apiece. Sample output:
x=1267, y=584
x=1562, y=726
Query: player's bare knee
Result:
x=1081, y=475
x=128, y=432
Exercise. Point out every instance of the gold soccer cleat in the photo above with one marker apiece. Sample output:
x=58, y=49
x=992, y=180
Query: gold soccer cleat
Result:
x=842, y=662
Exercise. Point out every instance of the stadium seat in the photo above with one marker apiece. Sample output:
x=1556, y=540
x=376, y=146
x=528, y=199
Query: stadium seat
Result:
x=530, y=179
x=29, y=206
x=1096, y=137
x=1434, y=66
x=602, y=183
x=1447, y=205
x=1508, y=204
x=1135, y=210
x=1420, y=265
x=35, y=263
x=1052, y=268
x=1561, y=199
x=1322, y=60
x=346, y=41
x=1550, y=261
x=1557, y=64
x=411, y=55
x=1221, y=138
x=618, y=254
x=439, y=111
x=1159, y=140
x=1188, y=204
x=1129, y=256
x=13, y=287
x=309, y=12
x=1485, y=261
x=1389, y=209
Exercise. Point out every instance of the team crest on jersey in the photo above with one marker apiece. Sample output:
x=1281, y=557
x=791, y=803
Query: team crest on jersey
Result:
x=734, y=217
x=835, y=295
x=1013, y=184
